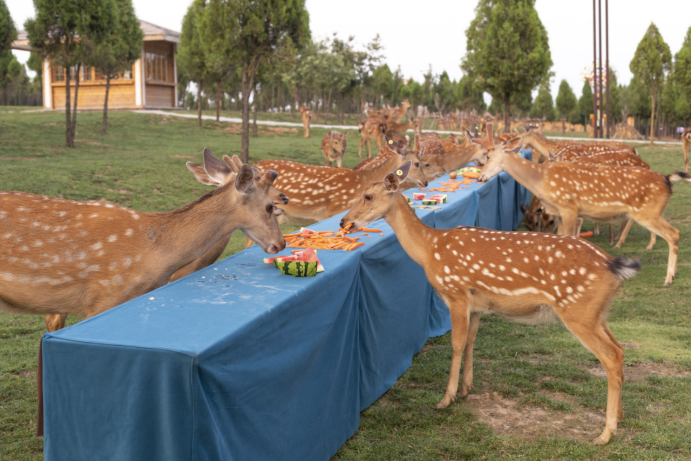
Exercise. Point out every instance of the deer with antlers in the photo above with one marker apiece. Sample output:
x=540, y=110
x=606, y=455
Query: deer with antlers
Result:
x=594, y=192
x=82, y=258
x=525, y=276
x=306, y=115
x=318, y=192
x=333, y=147
x=685, y=143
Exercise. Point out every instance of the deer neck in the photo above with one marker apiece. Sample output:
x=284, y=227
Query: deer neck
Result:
x=541, y=144
x=458, y=158
x=378, y=173
x=183, y=235
x=411, y=232
x=528, y=174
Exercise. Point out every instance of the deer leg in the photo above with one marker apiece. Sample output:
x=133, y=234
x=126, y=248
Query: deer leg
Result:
x=665, y=230
x=651, y=244
x=362, y=141
x=596, y=229
x=55, y=322
x=560, y=226
x=579, y=224
x=569, y=223
x=620, y=413
x=339, y=162
x=248, y=242
x=459, y=332
x=369, y=148
x=599, y=340
x=623, y=232
x=467, y=383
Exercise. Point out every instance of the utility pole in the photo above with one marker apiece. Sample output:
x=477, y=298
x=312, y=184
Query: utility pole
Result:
x=607, y=59
x=595, y=104
x=600, y=105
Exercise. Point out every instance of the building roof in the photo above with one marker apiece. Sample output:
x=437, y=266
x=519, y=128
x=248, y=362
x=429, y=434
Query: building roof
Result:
x=152, y=32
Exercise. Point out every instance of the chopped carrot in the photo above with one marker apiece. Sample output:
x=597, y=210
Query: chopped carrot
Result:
x=382, y=234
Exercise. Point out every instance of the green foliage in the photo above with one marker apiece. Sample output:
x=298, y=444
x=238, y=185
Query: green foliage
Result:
x=682, y=67
x=585, y=103
x=507, y=49
x=652, y=59
x=468, y=96
x=640, y=98
x=543, y=107
x=668, y=99
x=191, y=59
x=682, y=109
x=7, y=30
x=35, y=63
x=614, y=100
x=566, y=100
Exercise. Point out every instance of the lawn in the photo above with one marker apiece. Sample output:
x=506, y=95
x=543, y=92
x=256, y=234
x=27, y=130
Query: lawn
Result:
x=538, y=393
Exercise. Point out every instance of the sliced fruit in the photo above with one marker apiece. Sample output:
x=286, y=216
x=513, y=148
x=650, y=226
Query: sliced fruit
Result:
x=298, y=268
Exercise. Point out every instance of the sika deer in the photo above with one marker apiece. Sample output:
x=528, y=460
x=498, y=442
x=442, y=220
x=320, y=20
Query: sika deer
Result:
x=596, y=193
x=393, y=127
x=536, y=219
x=576, y=153
x=520, y=275
x=399, y=112
x=318, y=192
x=333, y=147
x=371, y=128
x=82, y=258
x=306, y=115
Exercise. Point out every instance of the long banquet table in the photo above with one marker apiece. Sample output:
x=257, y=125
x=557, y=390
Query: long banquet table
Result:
x=239, y=362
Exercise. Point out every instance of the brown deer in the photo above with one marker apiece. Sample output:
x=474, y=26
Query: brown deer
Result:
x=306, y=115
x=399, y=112
x=536, y=219
x=82, y=258
x=576, y=153
x=393, y=127
x=333, y=147
x=371, y=128
x=528, y=277
x=319, y=192
x=55, y=322
x=685, y=143
x=432, y=168
x=594, y=192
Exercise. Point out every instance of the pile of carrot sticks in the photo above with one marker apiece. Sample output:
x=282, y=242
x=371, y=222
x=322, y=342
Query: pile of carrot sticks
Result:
x=328, y=240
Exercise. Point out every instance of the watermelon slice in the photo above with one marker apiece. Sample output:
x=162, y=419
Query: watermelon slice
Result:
x=278, y=259
x=298, y=268
x=305, y=231
x=271, y=260
x=429, y=202
x=418, y=196
x=440, y=198
x=309, y=254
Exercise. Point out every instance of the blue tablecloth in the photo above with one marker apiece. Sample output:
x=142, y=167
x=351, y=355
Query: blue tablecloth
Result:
x=239, y=362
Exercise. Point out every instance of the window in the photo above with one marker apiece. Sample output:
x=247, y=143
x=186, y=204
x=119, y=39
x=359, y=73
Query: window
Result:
x=58, y=74
x=87, y=74
x=157, y=67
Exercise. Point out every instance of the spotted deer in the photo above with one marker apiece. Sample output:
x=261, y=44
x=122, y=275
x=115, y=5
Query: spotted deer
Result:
x=398, y=113
x=333, y=147
x=82, y=258
x=576, y=153
x=543, y=146
x=524, y=276
x=393, y=127
x=536, y=219
x=597, y=193
x=431, y=168
x=371, y=128
x=318, y=192
x=55, y=322
x=306, y=115
x=685, y=143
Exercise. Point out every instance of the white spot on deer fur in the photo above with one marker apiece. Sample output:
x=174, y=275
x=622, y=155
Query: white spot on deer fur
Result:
x=96, y=246
x=95, y=215
x=437, y=257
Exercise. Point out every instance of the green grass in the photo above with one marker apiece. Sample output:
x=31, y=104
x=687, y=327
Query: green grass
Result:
x=541, y=368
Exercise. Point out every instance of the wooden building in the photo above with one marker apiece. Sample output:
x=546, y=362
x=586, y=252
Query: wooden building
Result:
x=151, y=83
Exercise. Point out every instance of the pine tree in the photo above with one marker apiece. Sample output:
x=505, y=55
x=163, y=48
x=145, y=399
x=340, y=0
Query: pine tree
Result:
x=585, y=103
x=650, y=63
x=682, y=74
x=191, y=58
x=543, y=107
x=56, y=34
x=507, y=50
x=566, y=102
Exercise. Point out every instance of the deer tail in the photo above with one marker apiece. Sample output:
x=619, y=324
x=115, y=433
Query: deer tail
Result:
x=678, y=175
x=359, y=127
x=624, y=267
x=636, y=152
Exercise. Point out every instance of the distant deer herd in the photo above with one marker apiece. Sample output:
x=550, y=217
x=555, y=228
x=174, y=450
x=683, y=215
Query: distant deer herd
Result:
x=61, y=257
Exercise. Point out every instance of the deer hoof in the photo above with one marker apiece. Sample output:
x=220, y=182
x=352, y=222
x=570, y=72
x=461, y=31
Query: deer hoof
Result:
x=464, y=391
x=445, y=402
x=602, y=439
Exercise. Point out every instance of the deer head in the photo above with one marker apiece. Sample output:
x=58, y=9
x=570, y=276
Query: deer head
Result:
x=378, y=199
x=338, y=141
x=419, y=170
x=257, y=213
x=494, y=159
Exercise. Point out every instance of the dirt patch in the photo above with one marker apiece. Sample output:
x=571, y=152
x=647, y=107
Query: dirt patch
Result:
x=25, y=374
x=427, y=347
x=26, y=159
x=509, y=417
x=182, y=156
x=92, y=143
x=52, y=124
x=642, y=370
x=278, y=129
x=121, y=191
x=235, y=129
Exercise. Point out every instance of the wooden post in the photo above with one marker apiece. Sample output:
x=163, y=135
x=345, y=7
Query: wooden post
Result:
x=607, y=60
x=600, y=105
x=594, y=73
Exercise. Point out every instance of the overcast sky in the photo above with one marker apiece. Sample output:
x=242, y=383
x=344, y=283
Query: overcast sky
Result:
x=419, y=34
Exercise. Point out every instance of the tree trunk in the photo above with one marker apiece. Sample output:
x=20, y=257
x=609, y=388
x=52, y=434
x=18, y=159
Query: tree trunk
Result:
x=507, y=123
x=76, y=97
x=247, y=84
x=563, y=125
x=68, y=119
x=255, y=102
x=199, y=103
x=218, y=101
x=652, y=120
x=105, y=106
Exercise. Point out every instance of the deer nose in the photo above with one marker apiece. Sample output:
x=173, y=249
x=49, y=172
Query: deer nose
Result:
x=342, y=223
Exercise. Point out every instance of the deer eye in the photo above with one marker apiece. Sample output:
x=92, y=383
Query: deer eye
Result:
x=269, y=208
x=417, y=164
x=488, y=157
x=368, y=197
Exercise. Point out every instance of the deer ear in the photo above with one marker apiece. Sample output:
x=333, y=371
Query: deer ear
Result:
x=200, y=173
x=515, y=150
x=391, y=182
x=401, y=172
x=390, y=143
x=345, y=135
x=552, y=158
x=216, y=169
x=244, y=181
x=523, y=208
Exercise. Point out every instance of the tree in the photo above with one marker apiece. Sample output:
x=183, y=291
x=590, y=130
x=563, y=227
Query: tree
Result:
x=543, y=107
x=118, y=51
x=650, y=63
x=682, y=67
x=244, y=33
x=507, y=50
x=468, y=97
x=191, y=58
x=585, y=103
x=566, y=102
x=55, y=34
x=682, y=109
x=7, y=30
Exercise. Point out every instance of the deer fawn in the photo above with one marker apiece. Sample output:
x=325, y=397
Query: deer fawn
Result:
x=55, y=322
x=536, y=219
x=334, y=147
x=306, y=115
x=371, y=128
x=82, y=258
x=525, y=276
x=399, y=112
x=319, y=192
x=685, y=143
x=594, y=192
